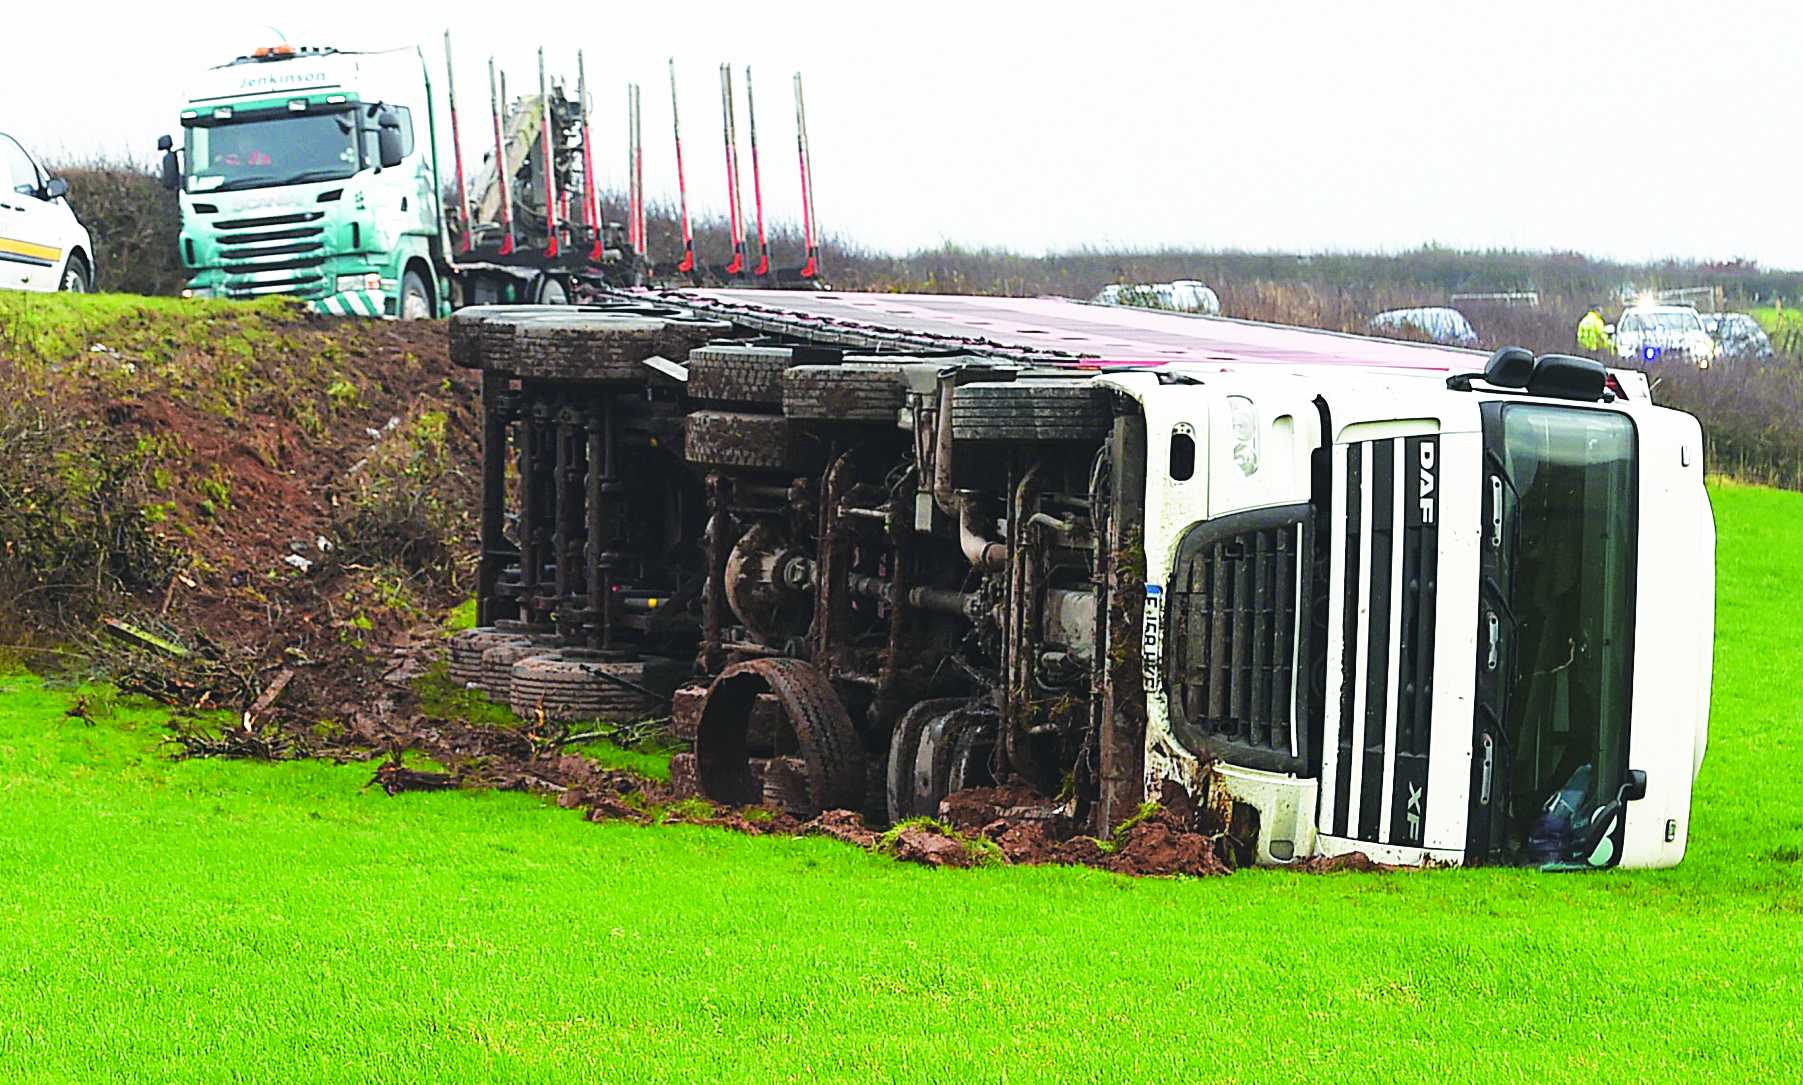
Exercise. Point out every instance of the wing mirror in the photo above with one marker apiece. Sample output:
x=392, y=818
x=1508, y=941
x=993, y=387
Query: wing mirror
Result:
x=55, y=188
x=1595, y=847
x=171, y=174
x=388, y=139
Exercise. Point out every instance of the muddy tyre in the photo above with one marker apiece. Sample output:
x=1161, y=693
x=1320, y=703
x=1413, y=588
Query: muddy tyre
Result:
x=482, y=335
x=564, y=686
x=904, y=745
x=497, y=668
x=416, y=300
x=683, y=334
x=1032, y=409
x=590, y=346
x=732, y=439
x=828, y=746
x=852, y=392
x=464, y=660
x=732, y=373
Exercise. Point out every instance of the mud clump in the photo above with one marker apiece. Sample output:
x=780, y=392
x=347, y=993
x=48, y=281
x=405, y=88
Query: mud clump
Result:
x=1160, y=845
x=1356, y=861
x=1029, y=830
x=930, y=844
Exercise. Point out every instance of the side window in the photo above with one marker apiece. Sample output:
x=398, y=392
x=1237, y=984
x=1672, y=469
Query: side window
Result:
x=16, y=168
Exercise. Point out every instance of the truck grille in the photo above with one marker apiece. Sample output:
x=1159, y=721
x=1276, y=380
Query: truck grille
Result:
x=1232, y=610
x=1380, y=650
x=277, y=254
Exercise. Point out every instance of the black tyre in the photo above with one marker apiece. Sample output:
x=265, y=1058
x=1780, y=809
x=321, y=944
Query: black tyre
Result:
x=497, y=669
x=852, y=392
x=904, y=744
x=828, y=745
x=77, y=279
x=1032, y=409
x=564, y=686
x=482, y=335
x=416, y=300
x=750, y=441
x=683, y=333
x=550, y=290
x=577, y=345
x=970, y=758
x=733, y=373
x=465, y=655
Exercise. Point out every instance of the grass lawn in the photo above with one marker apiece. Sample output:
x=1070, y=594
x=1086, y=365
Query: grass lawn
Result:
x=211, y=921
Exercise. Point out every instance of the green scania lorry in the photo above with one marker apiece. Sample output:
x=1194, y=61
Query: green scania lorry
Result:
x=311, y=172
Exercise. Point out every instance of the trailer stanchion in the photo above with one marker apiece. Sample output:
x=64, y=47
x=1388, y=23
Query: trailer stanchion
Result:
x=812, y=267
x=548, y=159
x=730, y=130
x=687, y=267
x=463, y=192
x=591, y=214
x=498, y=102
x=757, y=184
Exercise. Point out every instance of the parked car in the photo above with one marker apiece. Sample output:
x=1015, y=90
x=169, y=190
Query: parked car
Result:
x=42, y=245
x=1436, y=323
x=1737, y=335
x=1181, y=296
x=1648, y=333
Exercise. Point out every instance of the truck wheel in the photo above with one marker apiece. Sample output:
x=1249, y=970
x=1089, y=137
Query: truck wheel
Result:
x=683, y=332
x=733, y=373
x=564, y=686
x=1032, y=410
x=550, y=291
x=952, y=754
x=482, y=335
x=904, y=745
x=577, y=345
x=466, y=648
x=830, y=751
x=76, y=277
x=852, y=392
x=416, y=302
x=733, y=439
x=497, y=668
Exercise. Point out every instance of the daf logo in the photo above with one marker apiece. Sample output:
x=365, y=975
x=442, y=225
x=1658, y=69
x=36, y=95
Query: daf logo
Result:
x=1427, y=482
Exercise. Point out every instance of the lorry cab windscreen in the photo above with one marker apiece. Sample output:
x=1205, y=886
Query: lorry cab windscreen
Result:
x=1559, y=581
x=271, y=151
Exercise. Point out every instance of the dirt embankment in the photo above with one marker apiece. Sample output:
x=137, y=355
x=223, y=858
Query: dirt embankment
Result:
x=267, y=489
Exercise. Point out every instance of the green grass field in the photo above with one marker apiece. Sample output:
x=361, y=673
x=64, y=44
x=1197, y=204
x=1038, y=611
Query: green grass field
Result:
x=212, y=921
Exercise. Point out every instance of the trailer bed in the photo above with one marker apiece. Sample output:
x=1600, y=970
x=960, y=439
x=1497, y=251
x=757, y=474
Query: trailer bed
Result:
x=1059, y=330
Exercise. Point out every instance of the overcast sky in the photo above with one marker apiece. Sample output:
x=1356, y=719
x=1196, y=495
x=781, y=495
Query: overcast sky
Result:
x=1625, y=130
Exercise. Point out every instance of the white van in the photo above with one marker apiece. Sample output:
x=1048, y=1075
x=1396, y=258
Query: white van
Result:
x=42, y=246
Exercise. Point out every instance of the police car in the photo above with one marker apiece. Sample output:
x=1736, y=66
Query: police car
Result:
x=42, y=246
x=1675, y=332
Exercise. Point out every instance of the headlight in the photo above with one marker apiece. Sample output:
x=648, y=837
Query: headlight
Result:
x=198, y=292
x=348, y=283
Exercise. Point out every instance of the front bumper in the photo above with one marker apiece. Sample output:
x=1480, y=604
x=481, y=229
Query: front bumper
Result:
x=353, y=303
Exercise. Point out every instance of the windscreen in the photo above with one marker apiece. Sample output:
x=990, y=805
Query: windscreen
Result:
x=269, y=151
x=1556, y=630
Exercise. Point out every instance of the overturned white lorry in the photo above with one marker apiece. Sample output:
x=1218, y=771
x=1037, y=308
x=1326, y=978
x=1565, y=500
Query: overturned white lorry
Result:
x=1350, y=594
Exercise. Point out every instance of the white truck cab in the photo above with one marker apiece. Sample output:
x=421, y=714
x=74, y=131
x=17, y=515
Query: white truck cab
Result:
x=42, y=245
